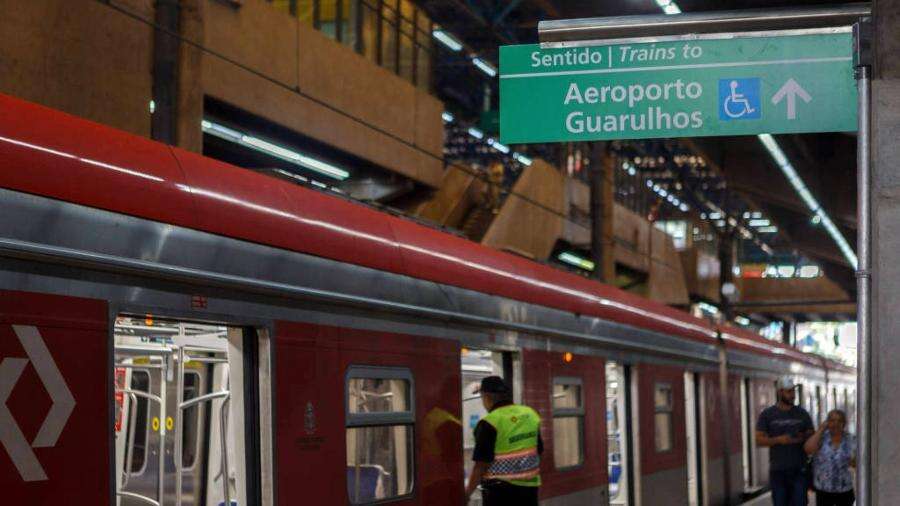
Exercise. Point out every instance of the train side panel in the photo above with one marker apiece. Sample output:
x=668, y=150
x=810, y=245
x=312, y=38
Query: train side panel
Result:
x=663, y=444
x=715, y=449
x=585, y=483
x=55, y=391
x=311, y=436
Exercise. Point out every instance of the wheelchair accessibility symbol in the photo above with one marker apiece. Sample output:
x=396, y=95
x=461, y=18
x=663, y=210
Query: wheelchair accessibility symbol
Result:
x=739, y=99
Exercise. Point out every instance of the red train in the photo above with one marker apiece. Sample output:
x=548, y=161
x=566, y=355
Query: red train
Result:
x=176, y=330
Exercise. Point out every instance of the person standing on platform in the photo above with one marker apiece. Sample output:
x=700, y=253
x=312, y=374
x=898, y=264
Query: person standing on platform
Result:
x=783, y=428
x=507, y=449
x=834, y=453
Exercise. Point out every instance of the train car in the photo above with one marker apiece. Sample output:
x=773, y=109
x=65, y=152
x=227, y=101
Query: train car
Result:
x=178, y=331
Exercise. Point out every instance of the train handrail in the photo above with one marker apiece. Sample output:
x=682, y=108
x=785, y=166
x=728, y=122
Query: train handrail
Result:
x=129, y=439
x=139, y=497
x=221, y=394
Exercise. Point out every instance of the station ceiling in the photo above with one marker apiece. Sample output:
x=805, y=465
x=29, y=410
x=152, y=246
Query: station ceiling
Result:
x=825, y=162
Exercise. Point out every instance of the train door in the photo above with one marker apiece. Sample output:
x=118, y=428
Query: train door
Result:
x=180, y=420
x=692, y=415
x=476, y=365
x=618, y=427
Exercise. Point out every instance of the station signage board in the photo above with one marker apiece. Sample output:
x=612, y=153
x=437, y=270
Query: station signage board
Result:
x=741, y=84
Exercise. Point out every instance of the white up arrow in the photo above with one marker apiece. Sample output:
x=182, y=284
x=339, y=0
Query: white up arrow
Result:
x=791, y=90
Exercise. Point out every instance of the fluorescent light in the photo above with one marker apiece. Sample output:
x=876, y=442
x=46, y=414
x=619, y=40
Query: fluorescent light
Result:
x=742, y=320
x=494, y=143
x=576, y=260
x=760, y=223
x=791, y=174
x=767, y=230
x=273, y=149
x=809, y=271
x=484, y=66
x=474, y=132
x=524, y=160
x=715, y=216
x=786, y=271
x=684, y=207
x=448, y=117
x=649, y=183
x=152, y=106
x=671, y=9
x=709, y=308
x=631, y=171
x=447, y=39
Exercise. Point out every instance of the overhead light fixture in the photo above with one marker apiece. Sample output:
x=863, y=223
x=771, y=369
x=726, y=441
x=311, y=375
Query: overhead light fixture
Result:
x=809, y=271
x=767, y=230
x=494, y=143
x=447, y=117
x=447, y=39
x=524, y=160
x=671, y=9
x=474, y=132
x=684, y=207
x=484, y=66
x=272, y=149
x=760, y=223
x=742, y=320
x=791, y=174
x=577, y=261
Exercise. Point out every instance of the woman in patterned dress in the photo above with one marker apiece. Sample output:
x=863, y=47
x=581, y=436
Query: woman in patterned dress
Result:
x=834, y=453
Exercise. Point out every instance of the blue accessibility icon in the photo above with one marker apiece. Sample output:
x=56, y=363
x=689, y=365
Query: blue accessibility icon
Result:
x=739, y=99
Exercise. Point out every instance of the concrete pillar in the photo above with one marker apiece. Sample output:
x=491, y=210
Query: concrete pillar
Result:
x=885, y=352
x=189, y=135
x=602, y=174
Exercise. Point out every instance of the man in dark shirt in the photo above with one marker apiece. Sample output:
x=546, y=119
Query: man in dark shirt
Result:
x=783, y=428
x=507, y=449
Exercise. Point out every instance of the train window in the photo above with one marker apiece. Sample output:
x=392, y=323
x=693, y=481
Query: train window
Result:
x=568, y=422
x=380, y=424
x=189, y=439
x=140, y=381
x=662, y=401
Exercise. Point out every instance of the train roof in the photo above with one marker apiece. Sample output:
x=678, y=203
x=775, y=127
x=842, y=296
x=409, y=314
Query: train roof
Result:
x=49, y=153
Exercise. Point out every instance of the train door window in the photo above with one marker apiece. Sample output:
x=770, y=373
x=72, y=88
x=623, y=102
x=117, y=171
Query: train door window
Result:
x=136, y=452
x=746, y=437
x=617, y=433
x=568, y=422
x=662, y=403
x=380, y=425
x=194, y=419
x=190, y=428
x=693, y=441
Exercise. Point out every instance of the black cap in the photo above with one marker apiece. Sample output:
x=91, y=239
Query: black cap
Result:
x=493, y=385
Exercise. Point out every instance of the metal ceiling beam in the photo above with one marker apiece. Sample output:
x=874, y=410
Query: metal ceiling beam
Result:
x=662, y=25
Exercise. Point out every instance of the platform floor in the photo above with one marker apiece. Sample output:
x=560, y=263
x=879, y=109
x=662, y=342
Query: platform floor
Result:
x=766, y=500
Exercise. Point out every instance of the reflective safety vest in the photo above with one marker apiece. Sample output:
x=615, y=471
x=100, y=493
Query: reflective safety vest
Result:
x=516, y=458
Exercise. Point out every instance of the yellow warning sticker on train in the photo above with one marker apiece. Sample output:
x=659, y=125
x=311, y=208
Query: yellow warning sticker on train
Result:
x=155, y=423
x=170, y=424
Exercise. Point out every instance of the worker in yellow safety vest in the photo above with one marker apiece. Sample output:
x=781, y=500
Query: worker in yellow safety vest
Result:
x=507, y=449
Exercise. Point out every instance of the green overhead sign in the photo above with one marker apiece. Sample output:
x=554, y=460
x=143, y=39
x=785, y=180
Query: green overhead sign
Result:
x=687, y=88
